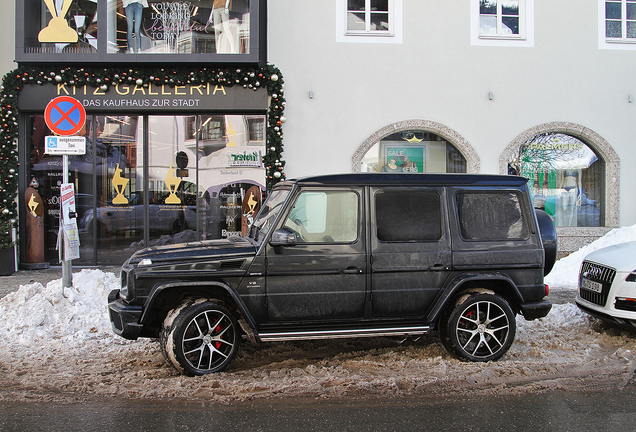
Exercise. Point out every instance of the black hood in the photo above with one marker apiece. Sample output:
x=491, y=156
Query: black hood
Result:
x=188, y=252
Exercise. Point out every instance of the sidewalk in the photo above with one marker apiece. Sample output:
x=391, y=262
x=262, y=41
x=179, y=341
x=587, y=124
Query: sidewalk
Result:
x=11, y=283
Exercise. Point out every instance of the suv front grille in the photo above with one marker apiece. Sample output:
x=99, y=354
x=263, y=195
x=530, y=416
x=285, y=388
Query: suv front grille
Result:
x=597, y=273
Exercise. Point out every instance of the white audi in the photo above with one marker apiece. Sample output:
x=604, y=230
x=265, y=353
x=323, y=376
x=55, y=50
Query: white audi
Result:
x=607, y=284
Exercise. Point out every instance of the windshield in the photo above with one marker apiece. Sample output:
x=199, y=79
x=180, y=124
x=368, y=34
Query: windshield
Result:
x=267, y=215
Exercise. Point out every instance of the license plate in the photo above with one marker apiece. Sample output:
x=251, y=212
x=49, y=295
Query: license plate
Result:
x=597, y=287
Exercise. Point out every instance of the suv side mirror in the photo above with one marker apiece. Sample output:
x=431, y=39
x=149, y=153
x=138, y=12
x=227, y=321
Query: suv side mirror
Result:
x=283, y=237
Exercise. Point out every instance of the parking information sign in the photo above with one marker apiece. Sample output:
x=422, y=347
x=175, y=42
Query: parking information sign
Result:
x=62, y=145
x=68, y=225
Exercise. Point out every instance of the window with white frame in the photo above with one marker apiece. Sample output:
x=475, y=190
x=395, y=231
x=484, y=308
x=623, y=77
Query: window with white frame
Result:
x=369, y=17
x=501, y=19
x=620, y=20
x=369, y=21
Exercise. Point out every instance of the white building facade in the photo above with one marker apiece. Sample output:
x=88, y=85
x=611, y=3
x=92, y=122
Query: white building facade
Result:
x=534, y=87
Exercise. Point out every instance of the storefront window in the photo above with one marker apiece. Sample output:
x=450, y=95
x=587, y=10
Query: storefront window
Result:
x=116, y=225
x=68, y=26
x=205, y=180
x=185, y=27
x=217, y=171
x=231, y=176
x=45, y=175
x=413, y=151
x=567, y=178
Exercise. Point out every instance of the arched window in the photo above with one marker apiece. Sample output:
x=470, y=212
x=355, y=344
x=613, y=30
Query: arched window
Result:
x=413, y=151
x=567, y=178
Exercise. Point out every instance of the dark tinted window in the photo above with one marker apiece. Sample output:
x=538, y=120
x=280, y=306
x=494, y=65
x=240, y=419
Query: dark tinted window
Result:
x=408, y=215
x=491, y=216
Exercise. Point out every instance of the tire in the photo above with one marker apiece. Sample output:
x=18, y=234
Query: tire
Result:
x=478, y=327
x=200, y=337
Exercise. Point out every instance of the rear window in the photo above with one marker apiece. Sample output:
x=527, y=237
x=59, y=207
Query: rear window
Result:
x=491, y=216
x=408, y=215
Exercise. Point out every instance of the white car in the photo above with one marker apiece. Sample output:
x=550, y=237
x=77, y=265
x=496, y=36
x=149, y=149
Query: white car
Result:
x=607, y=284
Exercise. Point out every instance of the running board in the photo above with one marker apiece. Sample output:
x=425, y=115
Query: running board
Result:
x=338, y=334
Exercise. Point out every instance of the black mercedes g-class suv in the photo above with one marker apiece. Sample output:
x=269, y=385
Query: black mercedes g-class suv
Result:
x=350, y=255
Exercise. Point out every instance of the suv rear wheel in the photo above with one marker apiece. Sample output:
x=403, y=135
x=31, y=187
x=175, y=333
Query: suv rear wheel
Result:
x=478, y=327
x=200, y=337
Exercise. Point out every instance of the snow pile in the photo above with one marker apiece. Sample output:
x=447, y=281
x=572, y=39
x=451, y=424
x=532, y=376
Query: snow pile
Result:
x=566, y=270
x=36, y=315
x=59, y=345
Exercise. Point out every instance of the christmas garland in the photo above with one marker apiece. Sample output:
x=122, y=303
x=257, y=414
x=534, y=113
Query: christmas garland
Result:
x=254, y=78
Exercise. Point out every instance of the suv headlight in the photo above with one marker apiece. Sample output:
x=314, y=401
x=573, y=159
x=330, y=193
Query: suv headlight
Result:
x=631, y=277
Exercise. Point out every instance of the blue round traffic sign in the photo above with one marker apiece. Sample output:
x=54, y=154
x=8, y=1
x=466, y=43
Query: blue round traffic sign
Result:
x=65, y=115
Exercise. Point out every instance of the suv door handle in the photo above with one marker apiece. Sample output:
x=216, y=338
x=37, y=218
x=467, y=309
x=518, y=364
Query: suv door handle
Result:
x=438, y=267
x=352, y=270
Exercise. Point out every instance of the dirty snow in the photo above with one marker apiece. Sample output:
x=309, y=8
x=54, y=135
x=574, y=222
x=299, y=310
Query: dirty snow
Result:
x=57, y=345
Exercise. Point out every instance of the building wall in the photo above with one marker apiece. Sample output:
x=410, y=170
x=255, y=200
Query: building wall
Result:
x=7, y=35
x=436, y=75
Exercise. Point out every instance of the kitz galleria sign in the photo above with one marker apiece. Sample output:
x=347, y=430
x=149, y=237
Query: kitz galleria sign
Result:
x=159, y=98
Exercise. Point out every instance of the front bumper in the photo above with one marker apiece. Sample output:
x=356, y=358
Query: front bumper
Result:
x=124, y=318
x=534, y=310
x=622, y=319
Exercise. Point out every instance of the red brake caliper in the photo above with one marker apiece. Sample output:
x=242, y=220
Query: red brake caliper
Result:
x=217, y=329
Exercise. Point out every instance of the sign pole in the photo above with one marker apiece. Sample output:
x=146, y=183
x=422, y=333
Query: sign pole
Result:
x=65, y=116
x=67, y=266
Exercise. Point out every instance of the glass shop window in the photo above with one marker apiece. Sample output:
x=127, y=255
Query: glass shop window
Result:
x=567, y=179
x=414, y=151
x=184, y=27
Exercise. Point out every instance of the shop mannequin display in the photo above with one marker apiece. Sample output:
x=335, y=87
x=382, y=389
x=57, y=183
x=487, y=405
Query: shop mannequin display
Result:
x=223, y=35
x=567, y=215
x=134, y=10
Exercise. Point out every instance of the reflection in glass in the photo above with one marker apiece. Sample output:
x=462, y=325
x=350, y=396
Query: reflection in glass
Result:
x=115, y=227
x=187, y=26
x=488, y=25
x=488, y=7
x=355, y=5
x=413, y=151
x=612, y=10
x=510, y=25
x=219, y=162
x=567, y=178
x=380, y=21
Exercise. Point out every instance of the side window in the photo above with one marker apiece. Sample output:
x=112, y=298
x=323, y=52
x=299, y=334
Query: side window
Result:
x=325, y=217
x=491, y=216
x=408, y=215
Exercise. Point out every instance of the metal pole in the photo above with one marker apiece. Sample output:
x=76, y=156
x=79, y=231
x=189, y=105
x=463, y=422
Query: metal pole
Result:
x=67, y=268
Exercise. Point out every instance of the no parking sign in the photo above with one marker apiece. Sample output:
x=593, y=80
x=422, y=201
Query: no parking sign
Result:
x=65, y=115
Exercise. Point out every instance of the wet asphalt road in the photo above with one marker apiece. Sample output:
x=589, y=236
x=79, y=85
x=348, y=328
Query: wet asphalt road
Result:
x=555, y=411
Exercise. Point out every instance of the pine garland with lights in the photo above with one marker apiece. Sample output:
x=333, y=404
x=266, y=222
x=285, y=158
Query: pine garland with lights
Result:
x=267, y=76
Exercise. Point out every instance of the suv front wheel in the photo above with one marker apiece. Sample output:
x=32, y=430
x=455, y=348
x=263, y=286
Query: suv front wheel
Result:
x=478, y=327
x=200, y=337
